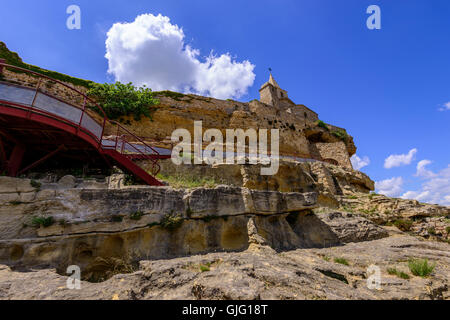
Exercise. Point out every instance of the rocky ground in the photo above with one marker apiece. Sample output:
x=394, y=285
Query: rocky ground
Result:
x=258, y=273
x=426, y=220
x=313, y=238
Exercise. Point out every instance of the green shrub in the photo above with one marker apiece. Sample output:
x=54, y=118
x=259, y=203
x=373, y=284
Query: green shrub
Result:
x=342, y=135
x=171, y=222
x=352, y=197
x=400, y=274
x=129, y=180
x=205, y=267
x=43, y=221
x=420, y=267
x=322, y=124
x=341, y=261
x=35, y=184
x=116, y=218
x=136, y=215
x=447, y=229
x=118, y=99
x=403, y=225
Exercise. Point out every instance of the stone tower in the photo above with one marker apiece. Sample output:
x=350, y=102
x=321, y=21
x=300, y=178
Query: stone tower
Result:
x=271, y=93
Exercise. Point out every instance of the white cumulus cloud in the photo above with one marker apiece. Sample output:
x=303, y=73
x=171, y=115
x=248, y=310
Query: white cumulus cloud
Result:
x=435, y=189
x=359, y=163
x=152, y=51
x=397, y=160
x=390, y=187
x=445, y=107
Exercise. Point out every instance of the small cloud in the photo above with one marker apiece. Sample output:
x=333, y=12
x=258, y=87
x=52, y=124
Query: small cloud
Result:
x=359, y=163
x=422, y=171
x=445, y=107
x=397, y=160
x=435, y=189
x=390, y=187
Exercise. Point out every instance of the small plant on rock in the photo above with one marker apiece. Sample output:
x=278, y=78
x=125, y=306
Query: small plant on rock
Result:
x=136, y=215
x=403, y=225
x=43, y=221
x=36, y=185
x=322, y=124
x=400, y=274
x=420, y=267
x=205, y=267
x=171, y=222
x=116, y=218
x=341, y=261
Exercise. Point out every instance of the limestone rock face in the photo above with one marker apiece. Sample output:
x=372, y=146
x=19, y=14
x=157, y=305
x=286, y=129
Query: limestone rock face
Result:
x=350, y=227
x=426, y=220
x=293, y=176
x=180, y=111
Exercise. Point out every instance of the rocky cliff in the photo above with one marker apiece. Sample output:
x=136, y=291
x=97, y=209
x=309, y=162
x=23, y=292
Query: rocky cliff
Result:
x=311, y=231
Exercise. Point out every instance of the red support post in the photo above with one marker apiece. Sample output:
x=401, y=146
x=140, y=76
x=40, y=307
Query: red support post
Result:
x=15, y=161
x=3, y=159
x=82, y=115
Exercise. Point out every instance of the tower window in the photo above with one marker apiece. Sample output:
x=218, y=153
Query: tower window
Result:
x=306, y=115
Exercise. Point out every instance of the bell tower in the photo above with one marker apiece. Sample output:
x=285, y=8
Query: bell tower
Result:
x=271, y=93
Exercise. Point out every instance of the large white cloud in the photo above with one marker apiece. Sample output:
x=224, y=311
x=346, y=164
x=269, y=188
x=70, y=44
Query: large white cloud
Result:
x=152, y=51
x=359, y=163
x=390, y=187
x=435, y=188
x=397, y=160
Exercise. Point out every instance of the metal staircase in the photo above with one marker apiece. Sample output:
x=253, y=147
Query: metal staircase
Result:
x=73, y=113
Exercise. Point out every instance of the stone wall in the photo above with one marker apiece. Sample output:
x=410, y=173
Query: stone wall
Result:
x=336, y=151
x=90, y=220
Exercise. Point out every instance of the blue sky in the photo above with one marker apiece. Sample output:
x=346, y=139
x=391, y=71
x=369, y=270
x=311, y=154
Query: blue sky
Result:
x=384, y=86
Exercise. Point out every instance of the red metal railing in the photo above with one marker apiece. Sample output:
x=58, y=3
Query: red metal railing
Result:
x=125, y=142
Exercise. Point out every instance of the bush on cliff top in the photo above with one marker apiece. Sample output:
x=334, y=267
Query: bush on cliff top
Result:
x=118, y=99
x=342, y=135
x=322, y=124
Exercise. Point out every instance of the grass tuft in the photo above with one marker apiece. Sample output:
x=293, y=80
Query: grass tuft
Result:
x=420, y=267
x=341, y=261
x=42, y=221
x=403, y=225
x=400, y=274
x=171, y=222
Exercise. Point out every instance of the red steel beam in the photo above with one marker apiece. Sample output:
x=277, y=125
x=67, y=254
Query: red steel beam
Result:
x=34, y=164
x=15, y=160
x=3, y=157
